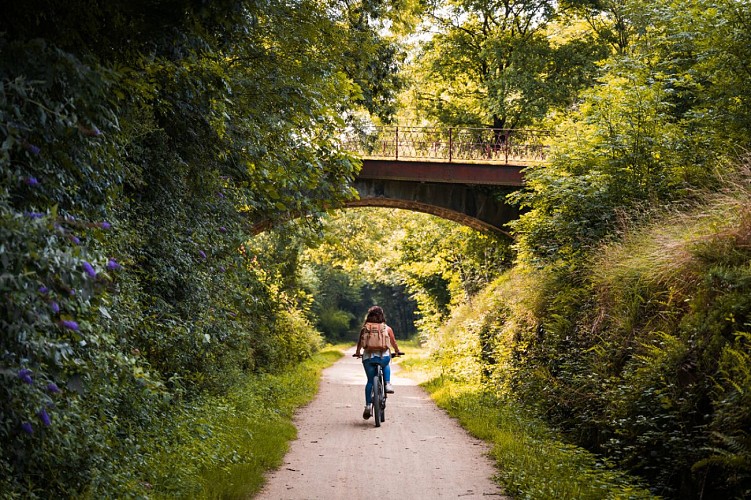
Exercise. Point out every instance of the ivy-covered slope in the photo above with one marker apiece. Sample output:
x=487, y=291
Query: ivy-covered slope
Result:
x=643, y=356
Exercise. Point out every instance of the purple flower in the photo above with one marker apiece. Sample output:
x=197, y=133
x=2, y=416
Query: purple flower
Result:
x=71, y=325
x=92, y=131
x=202, y=253
x=223, y=229
x=220, y=194
x=89, y=269
x=43, y=290
x=31, y=148
x=222, y=269
x=53, y=388
x=75, y=239
x=113, y=265
x=105, y=225
x=55, y=307
x=44, y=417
x=25, y=375
x=27, y=428
x=34, y=215
x=32, y=181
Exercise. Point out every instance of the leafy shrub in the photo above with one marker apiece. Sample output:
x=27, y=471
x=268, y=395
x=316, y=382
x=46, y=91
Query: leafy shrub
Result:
x=66, y=374
x=123, y=288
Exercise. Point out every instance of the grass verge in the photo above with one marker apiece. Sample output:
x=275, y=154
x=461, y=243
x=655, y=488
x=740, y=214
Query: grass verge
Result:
x=532, y=461
x=220, y=447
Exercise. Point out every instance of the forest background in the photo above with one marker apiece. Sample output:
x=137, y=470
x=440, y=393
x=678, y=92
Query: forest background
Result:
x=142, y=140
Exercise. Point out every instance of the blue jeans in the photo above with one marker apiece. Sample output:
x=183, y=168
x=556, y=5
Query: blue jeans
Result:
x=371, y=371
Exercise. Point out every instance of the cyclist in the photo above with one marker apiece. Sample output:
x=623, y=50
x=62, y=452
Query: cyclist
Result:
x=370, y=358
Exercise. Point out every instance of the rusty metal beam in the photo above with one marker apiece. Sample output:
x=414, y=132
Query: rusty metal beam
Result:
x=448, y=172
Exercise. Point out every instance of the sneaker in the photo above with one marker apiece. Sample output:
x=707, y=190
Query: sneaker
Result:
x=389, y=388
x=366, y=412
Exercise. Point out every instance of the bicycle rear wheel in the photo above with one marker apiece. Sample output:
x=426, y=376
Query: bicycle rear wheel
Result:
x=378, y=398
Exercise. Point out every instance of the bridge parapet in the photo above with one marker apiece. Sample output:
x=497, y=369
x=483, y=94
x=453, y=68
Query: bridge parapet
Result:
x=482, y=145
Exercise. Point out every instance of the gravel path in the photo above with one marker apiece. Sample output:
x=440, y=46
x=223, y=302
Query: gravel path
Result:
x=418, y=452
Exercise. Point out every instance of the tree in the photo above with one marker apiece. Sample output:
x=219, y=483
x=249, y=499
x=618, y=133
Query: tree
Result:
x=610, y=20
x=499, y=64
x=663, y=122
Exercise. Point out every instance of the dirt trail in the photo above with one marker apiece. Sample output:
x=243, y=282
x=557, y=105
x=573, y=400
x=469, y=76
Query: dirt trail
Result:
x=419, y=452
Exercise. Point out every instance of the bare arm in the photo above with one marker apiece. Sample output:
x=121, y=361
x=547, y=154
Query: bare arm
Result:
x=359, y=344
x=393, y=340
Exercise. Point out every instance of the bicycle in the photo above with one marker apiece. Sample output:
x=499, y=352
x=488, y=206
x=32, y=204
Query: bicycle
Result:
x=378, y=393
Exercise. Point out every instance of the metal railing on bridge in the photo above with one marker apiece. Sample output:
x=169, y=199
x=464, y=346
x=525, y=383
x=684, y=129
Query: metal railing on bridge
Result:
x=480, y=145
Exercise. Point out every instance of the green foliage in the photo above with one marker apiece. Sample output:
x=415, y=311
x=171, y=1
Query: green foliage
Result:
x=337, y=299
x=374, y=255
x=692, y=284
x=650, y=133
x=610, y=20
x=644, y=355
x=729, y=448
x=139, y=143
x=336, y=322
x=66, y=374
x=349, y=272
x=444, y=264
x=639, y=355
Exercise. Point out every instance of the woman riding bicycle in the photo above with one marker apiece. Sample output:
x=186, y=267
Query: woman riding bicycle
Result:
x=375, y=324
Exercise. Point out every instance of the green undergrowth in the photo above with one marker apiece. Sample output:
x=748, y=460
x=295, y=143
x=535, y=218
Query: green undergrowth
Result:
x=220, y=447
x=533, y=462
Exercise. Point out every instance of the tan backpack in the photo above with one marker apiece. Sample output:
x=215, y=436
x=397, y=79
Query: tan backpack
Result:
x=375, y=337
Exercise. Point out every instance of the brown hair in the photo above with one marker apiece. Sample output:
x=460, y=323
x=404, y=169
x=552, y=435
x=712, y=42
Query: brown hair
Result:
x=375, y=315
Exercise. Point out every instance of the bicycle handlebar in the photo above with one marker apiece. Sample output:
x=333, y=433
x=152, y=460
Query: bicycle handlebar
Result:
x=396, y=354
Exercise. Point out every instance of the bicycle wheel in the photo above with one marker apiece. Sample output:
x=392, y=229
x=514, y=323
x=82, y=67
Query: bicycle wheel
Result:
x=383, y=398
x=377, y=398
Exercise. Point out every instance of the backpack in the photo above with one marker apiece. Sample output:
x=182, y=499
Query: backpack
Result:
x=376, y=337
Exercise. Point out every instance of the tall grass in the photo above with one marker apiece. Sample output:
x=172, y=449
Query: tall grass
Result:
x=533, y=462
x=676, y=252
x=675, y=296
x=220, y=447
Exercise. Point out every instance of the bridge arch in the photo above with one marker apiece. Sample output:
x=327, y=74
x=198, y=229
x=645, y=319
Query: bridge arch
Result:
x=480, y=207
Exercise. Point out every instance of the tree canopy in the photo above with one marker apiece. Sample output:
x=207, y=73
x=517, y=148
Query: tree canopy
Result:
x=503, y=64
